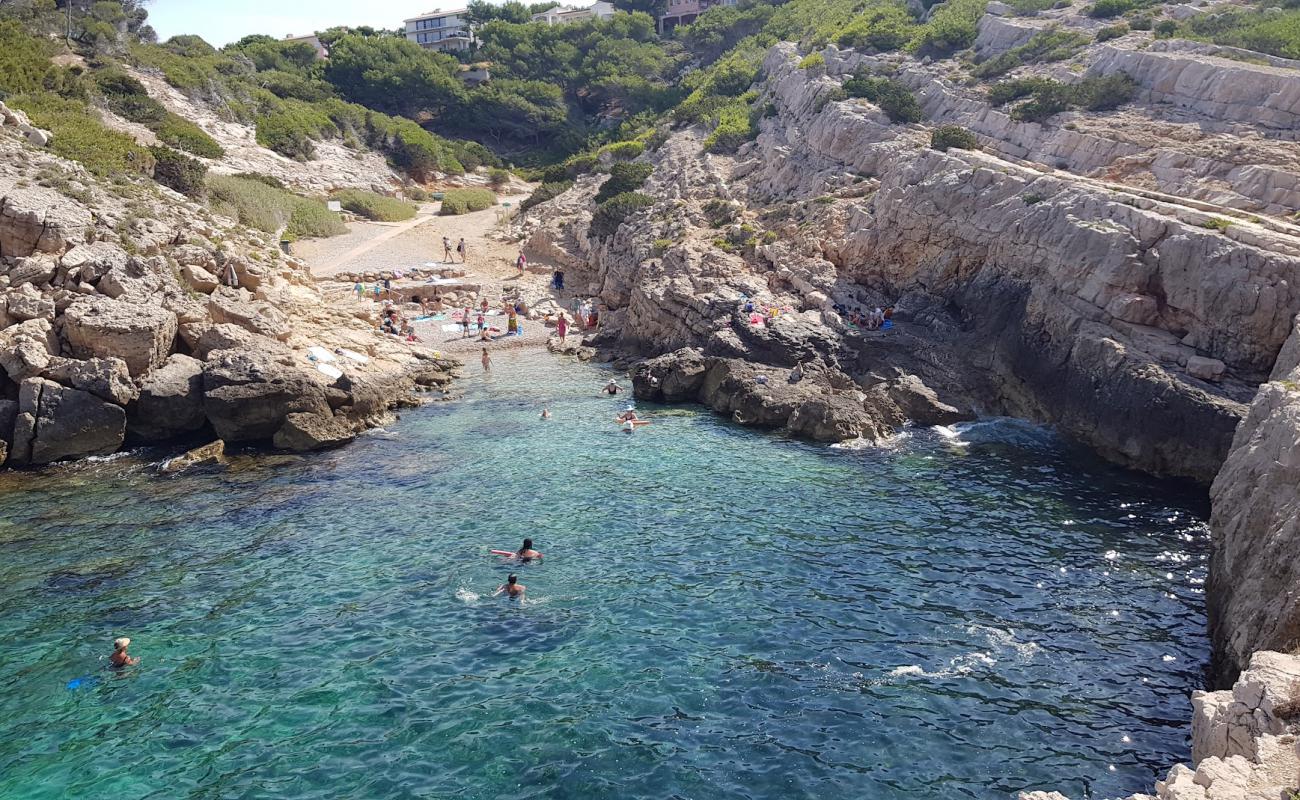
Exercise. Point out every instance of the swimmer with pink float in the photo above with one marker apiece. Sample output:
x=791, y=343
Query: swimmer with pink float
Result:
x=525, y=553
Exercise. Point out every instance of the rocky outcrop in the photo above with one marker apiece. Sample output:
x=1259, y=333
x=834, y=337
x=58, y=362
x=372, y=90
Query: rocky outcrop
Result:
x=139, y=334
x=55, y=422
x=303, y=432
x=811, y=400
x=35, y=219
x=212, y=453
x=170, y=402
x=1252, y=593
x=247, y=396
x=1245, y=740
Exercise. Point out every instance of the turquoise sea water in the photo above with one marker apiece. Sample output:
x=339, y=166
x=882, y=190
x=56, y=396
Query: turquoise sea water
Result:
x=722, y=613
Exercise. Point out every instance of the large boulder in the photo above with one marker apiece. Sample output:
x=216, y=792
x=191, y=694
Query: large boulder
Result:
x=237, y=307
x=36, y=219
x=138, y=280
x=170, y=402
x=90, y=262
x=56, y=422
x=36, y=270
x=248, y=395
x=835, y=418
x=26, y=302
x=106, y=378
x=304, y=432
x=139, y=334
x=27, y=348
x=203, y=338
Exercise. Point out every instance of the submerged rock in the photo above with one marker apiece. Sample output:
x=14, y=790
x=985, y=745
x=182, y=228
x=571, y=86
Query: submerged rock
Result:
x=303, y=432
x=212, y=453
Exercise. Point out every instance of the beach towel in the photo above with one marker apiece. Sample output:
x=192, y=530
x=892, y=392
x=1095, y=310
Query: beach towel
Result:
x=451, y=328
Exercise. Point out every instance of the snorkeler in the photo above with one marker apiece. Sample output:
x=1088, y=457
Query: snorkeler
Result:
x=120, y=658
x=512, y=587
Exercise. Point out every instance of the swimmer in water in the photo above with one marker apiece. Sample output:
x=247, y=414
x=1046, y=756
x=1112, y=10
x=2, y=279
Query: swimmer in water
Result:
x=512, y=587
x=546, y=413
x=526, y=552
x=612, y=387
x=628, y=416
x=120, y=658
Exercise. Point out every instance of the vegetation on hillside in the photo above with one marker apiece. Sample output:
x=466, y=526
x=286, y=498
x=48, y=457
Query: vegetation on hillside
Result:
x=372, y=206
x=260, y=204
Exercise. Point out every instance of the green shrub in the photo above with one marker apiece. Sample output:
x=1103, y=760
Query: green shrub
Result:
x=895, y=99
x=720, y=212
x=544, y=192
x=185, y=135
x=1048, y=99
x=735, y=126
x=269, y=180
x=498, y=177
x=24, y=60
x=1044, y=47
x=80, y=136
x=881, y=29
x=1104, y=93
x=951, y=27
x=624, y=150
x=623, y=177
x=1276, y=32
x=291, y=127
x=1112, y=32
x=178, y=171
x=266, y=208
x=1032, y=199
x=813, y=61
x=1105, y=9
x=375, y=206
x=1216, y=224
x=1006, y=91
x=1140, y=22
x=1030, y=8
x=463, y=201
x=952, y=136
x=1165, y=28
x=615, y=211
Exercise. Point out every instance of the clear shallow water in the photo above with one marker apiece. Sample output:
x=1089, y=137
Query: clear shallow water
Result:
x=722, y=613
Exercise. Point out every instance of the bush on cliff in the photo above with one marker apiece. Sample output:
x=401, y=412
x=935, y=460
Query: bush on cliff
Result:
x=464, y=201
x=1276, y=33
x=128, y=98
x=735, y=125
x=623, y=177
x=1044, y=47
x=1112, y=32
x=178, y=171
x=80, y=136
x=262, y=206
x=615, y=211
x=952, y=136
x=1105, y=9
x=375, y=206
x=546, y=191
x=895, y=99
x=880, y=29
x=951, y=27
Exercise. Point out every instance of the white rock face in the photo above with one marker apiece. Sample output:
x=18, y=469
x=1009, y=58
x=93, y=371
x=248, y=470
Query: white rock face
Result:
x=1244, y=740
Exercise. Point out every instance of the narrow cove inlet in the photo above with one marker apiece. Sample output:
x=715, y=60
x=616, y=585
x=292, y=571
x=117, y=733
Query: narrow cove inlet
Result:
x=721, y=612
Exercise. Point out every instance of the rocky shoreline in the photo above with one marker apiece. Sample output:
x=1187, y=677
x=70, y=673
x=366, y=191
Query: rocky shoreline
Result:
x=1158, y=329
x=130, y=315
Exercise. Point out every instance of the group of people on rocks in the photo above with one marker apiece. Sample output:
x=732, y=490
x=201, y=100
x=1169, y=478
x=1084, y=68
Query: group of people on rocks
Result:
x=393, y=323
x=871, y=319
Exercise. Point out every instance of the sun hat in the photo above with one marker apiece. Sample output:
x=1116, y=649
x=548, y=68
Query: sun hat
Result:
x=121, y=643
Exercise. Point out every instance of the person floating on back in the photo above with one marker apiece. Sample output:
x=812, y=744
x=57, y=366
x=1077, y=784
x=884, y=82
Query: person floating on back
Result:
x=120, y=659
x=512, y=587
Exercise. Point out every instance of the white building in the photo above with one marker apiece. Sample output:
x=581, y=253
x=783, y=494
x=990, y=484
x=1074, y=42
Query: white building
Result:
x=441, y=30
x=322, y=52
x=562, y=14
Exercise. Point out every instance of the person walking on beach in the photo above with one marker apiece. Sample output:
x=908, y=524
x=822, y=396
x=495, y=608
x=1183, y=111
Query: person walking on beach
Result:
x=120, y=659
x=521, y=263
x=487, y=361
x=460, y=248
x=446, y=250
x=561, y=326
x=512, y=587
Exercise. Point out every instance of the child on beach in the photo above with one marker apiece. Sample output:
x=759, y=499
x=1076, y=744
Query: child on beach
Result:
x=487, y=361
x=561, y=326
x=482, y=324
x=464, y=323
